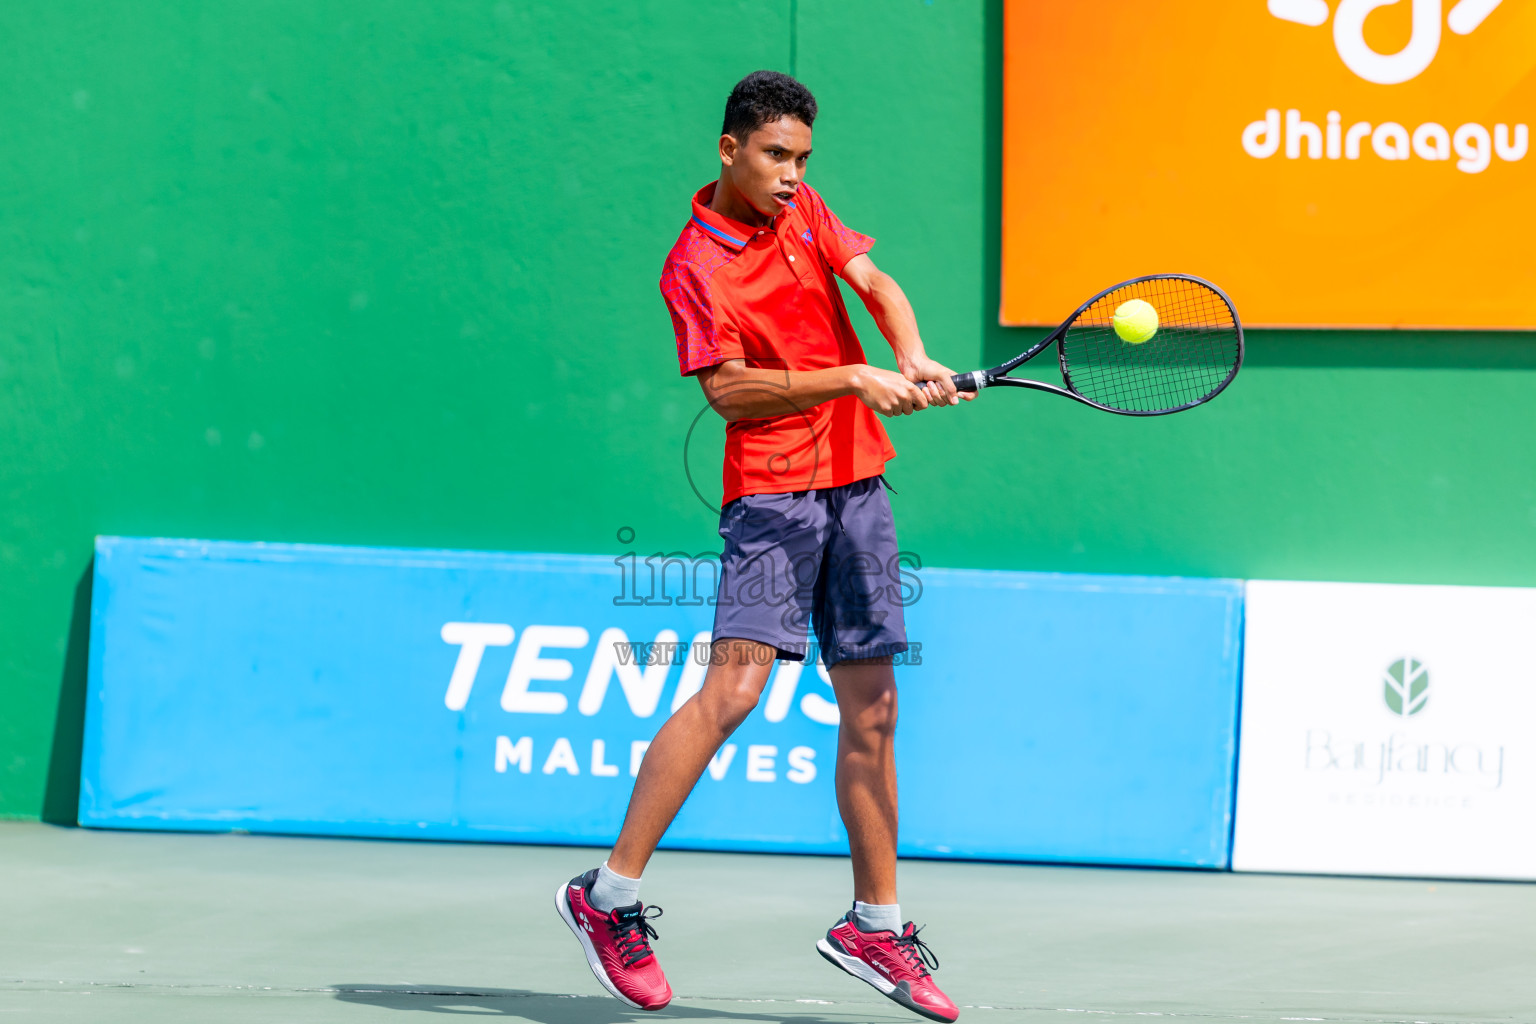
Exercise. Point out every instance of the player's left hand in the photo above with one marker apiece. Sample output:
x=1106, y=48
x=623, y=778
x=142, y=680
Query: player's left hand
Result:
x=936, y=379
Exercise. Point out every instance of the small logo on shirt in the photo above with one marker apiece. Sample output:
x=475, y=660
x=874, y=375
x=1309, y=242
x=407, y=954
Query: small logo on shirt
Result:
x=807, y=236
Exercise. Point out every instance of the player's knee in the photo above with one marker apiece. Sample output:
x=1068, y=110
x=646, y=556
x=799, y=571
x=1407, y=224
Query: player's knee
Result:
x=740, y=703
x=875, y=721
x=733, y=702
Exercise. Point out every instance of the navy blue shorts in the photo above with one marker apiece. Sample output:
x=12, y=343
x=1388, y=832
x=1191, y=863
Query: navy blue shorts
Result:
x=821, y=560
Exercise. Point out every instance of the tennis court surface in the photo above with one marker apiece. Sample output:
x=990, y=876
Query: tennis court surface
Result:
x=120, y=926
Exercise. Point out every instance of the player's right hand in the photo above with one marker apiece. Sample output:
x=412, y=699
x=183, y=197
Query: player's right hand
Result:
x=888, y=393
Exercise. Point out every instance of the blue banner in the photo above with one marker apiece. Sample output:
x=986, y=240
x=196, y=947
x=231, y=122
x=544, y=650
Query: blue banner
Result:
x=510, y=697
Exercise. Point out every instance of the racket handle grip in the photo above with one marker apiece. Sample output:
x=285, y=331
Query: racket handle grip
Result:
x=973, y=381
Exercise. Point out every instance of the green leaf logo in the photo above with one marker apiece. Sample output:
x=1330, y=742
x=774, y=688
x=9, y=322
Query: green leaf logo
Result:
x=1406, y=687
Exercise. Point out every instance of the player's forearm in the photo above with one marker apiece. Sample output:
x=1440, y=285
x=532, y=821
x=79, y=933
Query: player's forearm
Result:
x=894, y=315
x=740, y=392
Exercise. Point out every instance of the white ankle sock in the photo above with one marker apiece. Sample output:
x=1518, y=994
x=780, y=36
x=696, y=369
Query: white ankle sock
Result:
x=877, y=917
x=612, y=890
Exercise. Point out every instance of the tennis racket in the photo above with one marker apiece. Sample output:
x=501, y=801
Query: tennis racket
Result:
x=1193, y=355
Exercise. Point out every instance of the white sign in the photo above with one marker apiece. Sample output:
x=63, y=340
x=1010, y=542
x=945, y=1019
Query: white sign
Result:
x=1388, y=730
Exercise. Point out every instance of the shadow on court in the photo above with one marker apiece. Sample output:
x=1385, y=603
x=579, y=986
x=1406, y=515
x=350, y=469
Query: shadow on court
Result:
x=550, y=1008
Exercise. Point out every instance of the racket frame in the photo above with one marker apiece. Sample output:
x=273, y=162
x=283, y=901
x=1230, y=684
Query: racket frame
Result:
x=998, y=375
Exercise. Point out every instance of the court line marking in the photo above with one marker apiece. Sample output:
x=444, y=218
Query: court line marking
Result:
x=47, y=985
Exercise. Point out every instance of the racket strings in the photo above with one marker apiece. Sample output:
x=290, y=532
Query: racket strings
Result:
x=1182, y=364
x=1193, y=354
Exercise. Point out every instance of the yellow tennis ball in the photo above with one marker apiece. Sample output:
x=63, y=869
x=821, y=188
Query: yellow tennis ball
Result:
x=1135, y=321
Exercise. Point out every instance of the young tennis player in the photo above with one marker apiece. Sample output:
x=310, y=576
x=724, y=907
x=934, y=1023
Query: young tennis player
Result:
x=751, y=285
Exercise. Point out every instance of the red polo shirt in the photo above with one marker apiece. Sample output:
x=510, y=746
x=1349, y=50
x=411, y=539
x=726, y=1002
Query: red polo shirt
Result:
x=769, y=295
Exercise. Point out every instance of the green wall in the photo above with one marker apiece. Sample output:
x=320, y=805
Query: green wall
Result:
x=385, y=273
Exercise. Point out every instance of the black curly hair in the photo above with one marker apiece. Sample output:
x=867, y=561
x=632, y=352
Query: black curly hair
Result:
x=763, y=97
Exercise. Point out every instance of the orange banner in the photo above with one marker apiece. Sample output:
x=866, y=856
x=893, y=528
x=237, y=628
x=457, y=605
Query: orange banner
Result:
x=1351, y=163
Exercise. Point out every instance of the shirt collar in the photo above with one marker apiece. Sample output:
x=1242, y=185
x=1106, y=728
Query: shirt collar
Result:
x=732, y=234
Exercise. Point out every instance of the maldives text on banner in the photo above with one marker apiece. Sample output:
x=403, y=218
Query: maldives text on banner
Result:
x=1388, y=730
x=511, y=697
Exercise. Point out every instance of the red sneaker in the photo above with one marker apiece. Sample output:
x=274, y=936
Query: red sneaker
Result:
x=617, y=944
x=896, y=965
